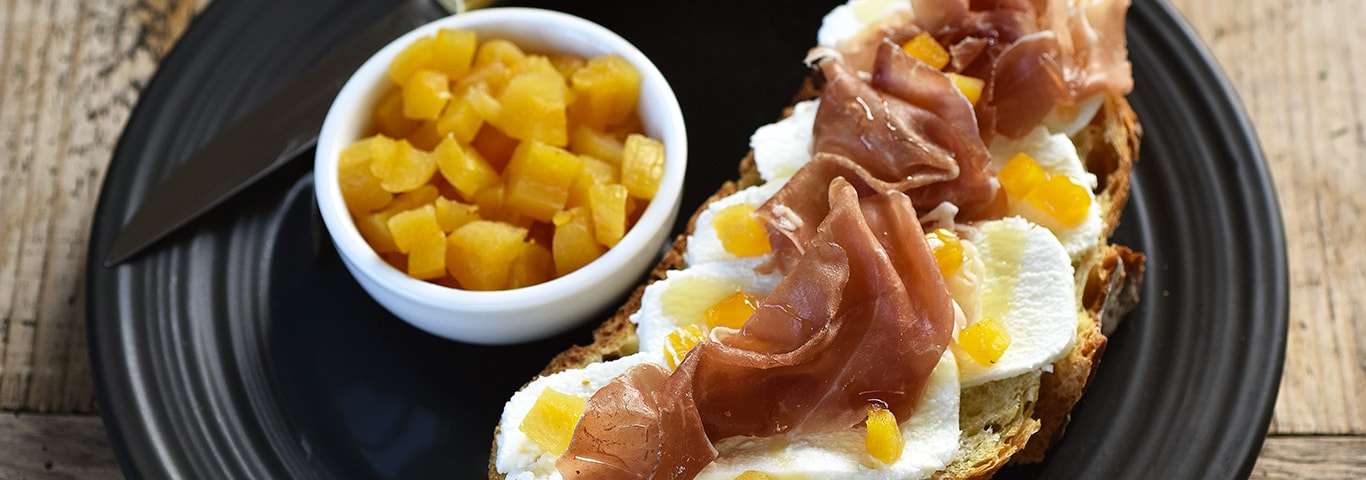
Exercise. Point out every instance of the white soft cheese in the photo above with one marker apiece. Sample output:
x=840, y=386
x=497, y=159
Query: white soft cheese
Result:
x=683, y=296
x=930, y=435
x=1056, y=154
x=854, y=17
x=704, y=246
x=782, y=147
x=1027, y=286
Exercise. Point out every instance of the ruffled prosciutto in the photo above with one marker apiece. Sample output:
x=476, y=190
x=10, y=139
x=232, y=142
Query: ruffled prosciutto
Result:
x=1034, y=55
x=900, y=131
x=861, y=320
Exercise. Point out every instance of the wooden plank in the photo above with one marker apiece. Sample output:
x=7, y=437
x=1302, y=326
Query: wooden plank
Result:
x=55, y=446
x=1294, y=65
x=70, y=73
x=1338, y=457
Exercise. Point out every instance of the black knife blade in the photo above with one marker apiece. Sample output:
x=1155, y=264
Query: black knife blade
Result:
x=271, y=135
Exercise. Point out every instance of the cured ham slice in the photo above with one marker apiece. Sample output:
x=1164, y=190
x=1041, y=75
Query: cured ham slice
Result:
x=861, y=320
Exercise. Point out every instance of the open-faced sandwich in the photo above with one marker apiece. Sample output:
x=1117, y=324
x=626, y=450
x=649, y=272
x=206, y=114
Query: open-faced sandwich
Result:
x=908, y=279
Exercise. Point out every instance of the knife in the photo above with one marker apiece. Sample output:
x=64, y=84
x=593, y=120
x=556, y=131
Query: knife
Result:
x=271, y=135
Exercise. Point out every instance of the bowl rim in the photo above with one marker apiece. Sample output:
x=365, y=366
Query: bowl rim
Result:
x=518, y=24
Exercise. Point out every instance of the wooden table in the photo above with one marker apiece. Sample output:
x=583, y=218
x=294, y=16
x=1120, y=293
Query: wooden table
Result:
x=71, y=72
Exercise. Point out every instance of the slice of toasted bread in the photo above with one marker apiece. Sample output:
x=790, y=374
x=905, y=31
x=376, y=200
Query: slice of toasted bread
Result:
x=1010, y=420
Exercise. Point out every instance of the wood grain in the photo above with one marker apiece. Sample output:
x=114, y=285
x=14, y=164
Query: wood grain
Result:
x=71, y=72
x=1297, y=67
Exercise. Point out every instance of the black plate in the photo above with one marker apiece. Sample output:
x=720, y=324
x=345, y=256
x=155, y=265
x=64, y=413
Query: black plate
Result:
x=240, y=347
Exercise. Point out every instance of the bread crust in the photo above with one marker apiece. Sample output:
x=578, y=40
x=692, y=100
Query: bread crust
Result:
x=1021, y=417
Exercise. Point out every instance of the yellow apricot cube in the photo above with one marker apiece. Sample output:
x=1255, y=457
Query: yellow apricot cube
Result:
x=928, y=50
x=586, y=140
x=642, y=165
x=573, y=244
x=594, y=172
x=496, y=146
x=406, y=169
x=971, y=87
x=463, y=168
x=551, y=421
x=566, y=63
x=538, y=178
x=484, y=104
x=499, y=51
x=453, y=51
x=410, y=227
x=418, y=197
x=388, y=118
x=479, y=253
x=415, y=56
x=451, y=214
x=740, y=232
x=608, y=201
x=606, y=90
x=948, y=250
x=427, y=258
x=374, y=228
x=360, y=189
x=1061, y=198
x=534, y=265
x=984, y=341
x=681, y=341
x=732, y=311
x=459, y=120
x=425, y=94
x=534, y=108
x=1021, y=175
x=883, y=439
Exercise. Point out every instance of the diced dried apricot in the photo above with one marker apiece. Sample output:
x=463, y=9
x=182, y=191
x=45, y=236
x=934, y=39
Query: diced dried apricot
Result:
x=479, y=253
x=573, y=245
x=388, y=116
x=484, y=103
x=534, y=265
x=495, y=145
x=415, y=56
x=606, y=90
x=1061, y=198
x=924, y=47
x=883, y=439
x=360, y=189
x=425, y=94
x=680, y=342
x=1021, y=175
x=642, y=166
x=405, y=170
x=534, y=108
x=451, y=214
x=948, y=250
x=427, y=258
x=453, y=51
x=608, y=203
x=411, y=226
x=971, y=87
x=740, y=232
x=418, y=197
x=490, y=76
x=985, y=341
x=459, y=120
x=566, y=63
x=499, y=51
x=550, y=422
x=463, y=168
x=732, y=311
x=374, y=228
x=600, y=145
x=538, y=178
x=594, y=172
